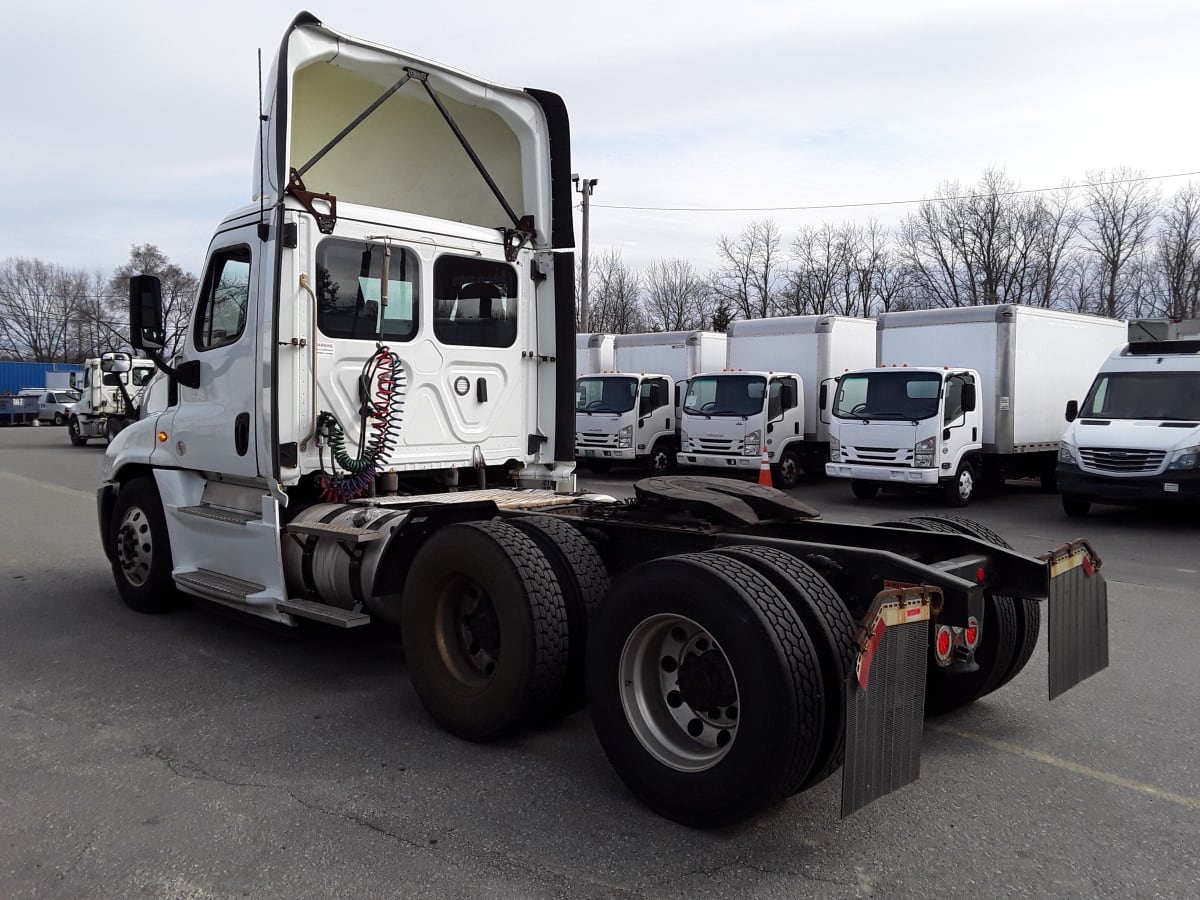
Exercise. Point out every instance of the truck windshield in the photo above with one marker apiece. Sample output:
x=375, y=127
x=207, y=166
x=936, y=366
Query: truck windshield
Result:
x=899, y=394
x=725, y=395
x=606, y=395
x=1144, y=395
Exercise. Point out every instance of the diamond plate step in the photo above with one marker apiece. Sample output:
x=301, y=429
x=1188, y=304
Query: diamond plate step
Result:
x=347, y=533
x=216, y=586
x=322, y=612
x=221, y=514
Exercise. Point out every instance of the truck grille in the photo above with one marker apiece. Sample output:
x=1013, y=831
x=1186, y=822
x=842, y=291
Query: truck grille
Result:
x=1127, y=462
x=880, y=456
x=595, y=440
x=715, y=445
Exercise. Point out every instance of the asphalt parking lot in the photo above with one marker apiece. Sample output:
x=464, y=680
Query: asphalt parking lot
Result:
x=192, y=756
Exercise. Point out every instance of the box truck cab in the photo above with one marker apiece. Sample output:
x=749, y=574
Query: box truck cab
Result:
x=1135, y=438
x=779, y=375
x=630, y=415
x=102, y=410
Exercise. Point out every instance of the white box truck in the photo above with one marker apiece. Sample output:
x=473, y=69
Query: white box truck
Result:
x=593, y=353
x=630, y=415
x=964, y=394
x=1135, y=438
x=363, y=326
x=775, y=393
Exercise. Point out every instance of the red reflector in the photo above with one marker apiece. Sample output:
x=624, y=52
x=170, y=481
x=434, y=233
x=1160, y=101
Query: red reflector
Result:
x=913, y=611
x=1088, y=568
x=943, y=643
x=972, y=636
x=979, y=574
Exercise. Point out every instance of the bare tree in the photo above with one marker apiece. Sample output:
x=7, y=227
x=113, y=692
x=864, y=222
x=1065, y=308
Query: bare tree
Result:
x=178, y=289
x=1178, y=255
x=748, y=275
x=615, y=296
x=37, y=300
x=1119, y=210
x=1048, y=223
x=819, y=267
x=677, y=297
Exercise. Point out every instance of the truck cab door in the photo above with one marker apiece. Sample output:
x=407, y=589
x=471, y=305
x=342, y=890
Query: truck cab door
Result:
x=213, y=427
x=960, y=426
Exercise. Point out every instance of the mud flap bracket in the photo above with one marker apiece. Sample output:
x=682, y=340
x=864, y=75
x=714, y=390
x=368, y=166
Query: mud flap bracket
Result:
x=885, y=696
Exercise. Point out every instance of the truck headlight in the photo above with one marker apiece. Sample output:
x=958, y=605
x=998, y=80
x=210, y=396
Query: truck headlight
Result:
x=752, y=444
x=1066, y=454
x=835, y=449
x=923, y=453
x=1187, y=458
x=625, y=437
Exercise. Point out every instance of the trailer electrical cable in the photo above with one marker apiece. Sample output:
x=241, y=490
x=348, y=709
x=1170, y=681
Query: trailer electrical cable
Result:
x=381, y=391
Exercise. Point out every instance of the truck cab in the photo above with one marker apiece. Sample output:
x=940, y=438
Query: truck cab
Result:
x=625, y=419
x=101, y=410
x=730, y=419
x=907, y=426
x=1135, y=438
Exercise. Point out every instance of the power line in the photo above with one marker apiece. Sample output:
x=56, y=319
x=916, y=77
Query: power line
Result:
x=890, y=202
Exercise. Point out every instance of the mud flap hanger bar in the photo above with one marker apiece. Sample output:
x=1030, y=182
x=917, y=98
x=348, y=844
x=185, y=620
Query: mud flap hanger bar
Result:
x=514, y=238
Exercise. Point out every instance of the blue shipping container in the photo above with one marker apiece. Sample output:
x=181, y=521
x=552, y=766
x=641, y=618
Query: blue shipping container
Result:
x=15, y=376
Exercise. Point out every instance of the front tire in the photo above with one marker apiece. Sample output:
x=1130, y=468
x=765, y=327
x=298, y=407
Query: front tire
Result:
x=1076, y=505
x=959, y=491
x=661, y=460
x=74, y=433
x=705, y=689
x=58, y=419
x=864, y=490
x=140, y=549
x=787, y=470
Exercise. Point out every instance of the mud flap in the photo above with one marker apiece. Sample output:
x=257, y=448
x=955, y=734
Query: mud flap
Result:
x=1077, y=616
x=885, y=697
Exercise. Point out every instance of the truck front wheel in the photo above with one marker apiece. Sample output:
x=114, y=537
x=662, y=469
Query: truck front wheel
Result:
x=959, y=490
x=787, y=470
x=864, y=490
x=141, y=549
x=661, y=460
x=485, y=630
x=1076, y=505
x=74, y=433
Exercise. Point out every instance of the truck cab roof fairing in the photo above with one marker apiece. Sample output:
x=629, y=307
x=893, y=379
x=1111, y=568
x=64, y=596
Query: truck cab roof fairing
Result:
x=403, y=156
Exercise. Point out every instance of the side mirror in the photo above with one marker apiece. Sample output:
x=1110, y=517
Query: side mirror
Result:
x=145, y=313
x=822, y=397
x=115, y=362
x=968, y=398
x=1072, y=410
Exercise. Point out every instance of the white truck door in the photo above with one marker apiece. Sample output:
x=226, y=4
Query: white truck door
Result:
x=213, y=426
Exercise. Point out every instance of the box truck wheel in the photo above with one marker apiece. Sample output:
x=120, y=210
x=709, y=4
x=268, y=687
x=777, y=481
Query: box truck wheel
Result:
x=787, y=470
x=1076, y=505
x=74, y=433
x=705, y=688
x=583, y=580
x=960, y=489
x=863, y=490
x=141, y=549
x=599, y=466
x=829, y=626
x=661, y=460
x=485, y=629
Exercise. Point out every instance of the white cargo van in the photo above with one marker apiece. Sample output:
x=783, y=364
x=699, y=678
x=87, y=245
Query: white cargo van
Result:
x=1136, y=436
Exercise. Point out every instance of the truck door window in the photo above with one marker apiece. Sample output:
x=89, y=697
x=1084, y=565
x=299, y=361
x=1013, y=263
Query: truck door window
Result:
x=221, y=315
x=350, y=291
x=474, y=302
x=141, y=376
x=954, y=410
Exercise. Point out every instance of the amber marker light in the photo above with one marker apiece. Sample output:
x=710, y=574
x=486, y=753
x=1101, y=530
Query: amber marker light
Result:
x=162, y=437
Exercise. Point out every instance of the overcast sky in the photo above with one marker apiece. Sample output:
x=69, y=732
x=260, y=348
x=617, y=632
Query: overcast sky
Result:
x=134, y=122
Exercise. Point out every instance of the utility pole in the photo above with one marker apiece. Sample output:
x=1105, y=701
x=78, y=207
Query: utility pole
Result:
x=584, y=186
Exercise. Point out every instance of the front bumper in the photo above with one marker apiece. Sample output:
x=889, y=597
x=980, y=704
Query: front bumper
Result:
x=719, y=461
x=1169, y=487
x=585, y=453
x=886, y=474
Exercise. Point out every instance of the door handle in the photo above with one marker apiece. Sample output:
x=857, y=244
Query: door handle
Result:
x=481, y=389
x=241, y=433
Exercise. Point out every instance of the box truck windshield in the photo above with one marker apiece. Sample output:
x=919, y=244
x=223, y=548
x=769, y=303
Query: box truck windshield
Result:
x=1144, y=395
x=910, y=396
x=727, y=395
x=605, y=395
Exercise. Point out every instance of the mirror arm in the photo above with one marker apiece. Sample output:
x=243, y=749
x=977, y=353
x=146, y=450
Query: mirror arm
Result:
x=187, y=374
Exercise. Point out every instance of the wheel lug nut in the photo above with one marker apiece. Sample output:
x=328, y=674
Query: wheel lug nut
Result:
x=675, y=699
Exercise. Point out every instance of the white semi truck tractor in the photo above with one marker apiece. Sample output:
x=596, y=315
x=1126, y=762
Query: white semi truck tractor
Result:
x=108, y=400
x=393, y=309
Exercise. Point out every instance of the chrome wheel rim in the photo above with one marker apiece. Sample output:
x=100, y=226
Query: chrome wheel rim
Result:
x=135, y=546
x=679, y=693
